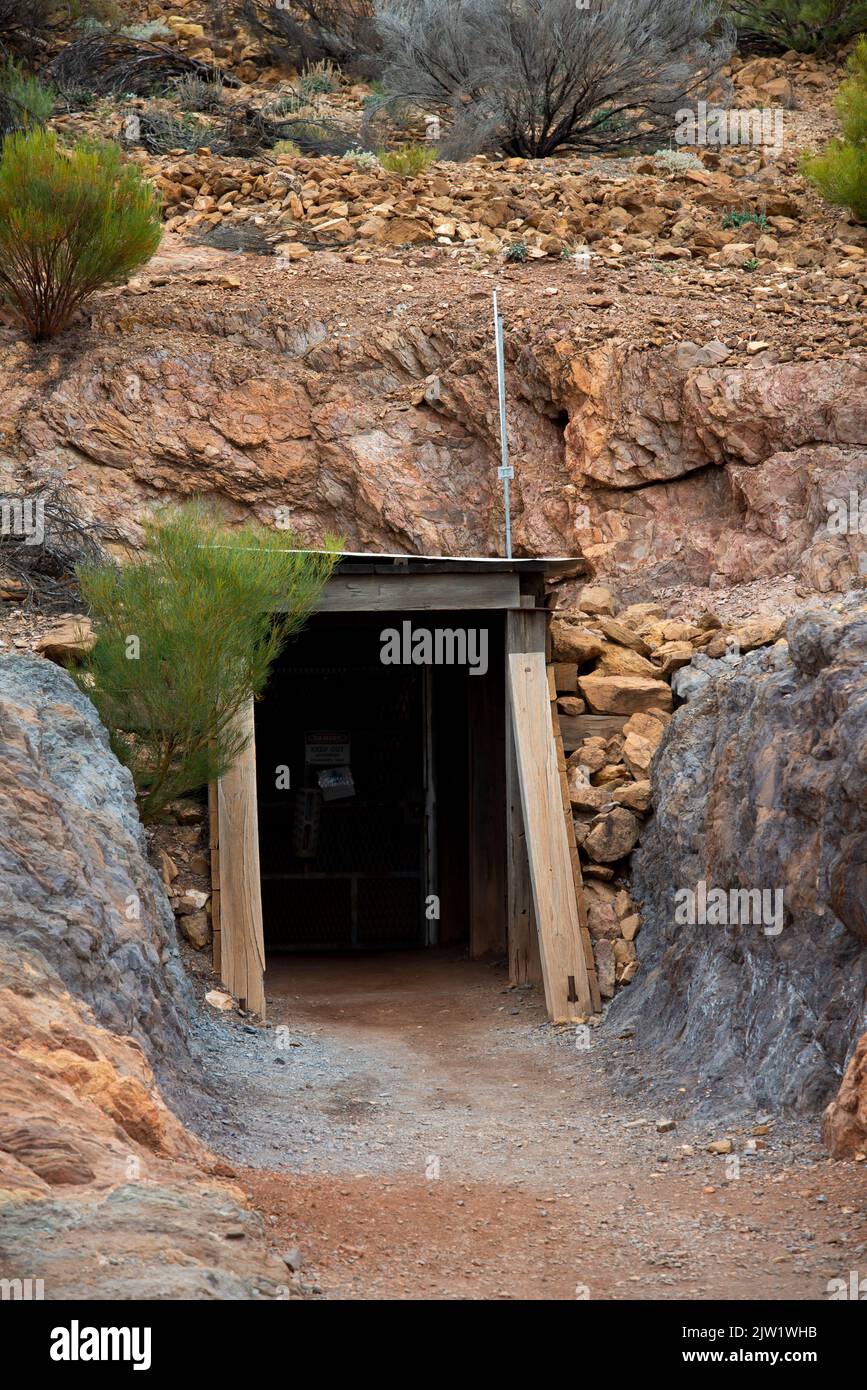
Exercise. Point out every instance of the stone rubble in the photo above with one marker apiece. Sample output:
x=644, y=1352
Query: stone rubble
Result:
x=609, y=773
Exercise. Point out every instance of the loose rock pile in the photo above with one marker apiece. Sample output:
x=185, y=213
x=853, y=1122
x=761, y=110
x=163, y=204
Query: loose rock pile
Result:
x=533, y=211
x=614, y=673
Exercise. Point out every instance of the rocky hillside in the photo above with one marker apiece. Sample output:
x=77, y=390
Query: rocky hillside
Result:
x=686, y=360
x=685, y=340
x=101, y=1186
x=648, y=430
x=759, y=784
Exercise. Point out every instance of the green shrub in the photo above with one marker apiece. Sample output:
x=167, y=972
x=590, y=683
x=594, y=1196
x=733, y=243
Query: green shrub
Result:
x=408, y=159
x=24, y=101
x=374, y=97
x=309, y=138
x=186, y=634
x=840, y=172
x=809, y=26
x=89, y=27
x=287, y=103
x=78, y=97
x=70, y=223
x=740, y=219
x=517, y=251
x=287, y=147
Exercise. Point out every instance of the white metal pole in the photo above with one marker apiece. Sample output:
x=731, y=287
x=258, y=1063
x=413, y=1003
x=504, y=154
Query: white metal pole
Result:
x=505, y=472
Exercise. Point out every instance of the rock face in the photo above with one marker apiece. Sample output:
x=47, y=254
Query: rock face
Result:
x=760, y=783
x=75, y=885
x=844, y=1126
x=104, y=1193
x=350, y=398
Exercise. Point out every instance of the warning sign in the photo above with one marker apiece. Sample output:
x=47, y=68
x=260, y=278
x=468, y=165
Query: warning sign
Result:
x=326, y=748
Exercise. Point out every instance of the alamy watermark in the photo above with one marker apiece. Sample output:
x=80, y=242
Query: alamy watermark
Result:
x=24, y=518
x=852, y=1288
x=441, y=646
x=716, y=125
x=77, y=1343
x=21, y=1290
x=847, y=516
x=733, y=907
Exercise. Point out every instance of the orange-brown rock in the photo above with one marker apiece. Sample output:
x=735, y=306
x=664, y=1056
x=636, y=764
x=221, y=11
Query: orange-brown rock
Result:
x=624, y=694
x=844, y=1125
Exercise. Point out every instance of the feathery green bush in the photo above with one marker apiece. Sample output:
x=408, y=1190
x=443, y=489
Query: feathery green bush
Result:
x=407, y=159
x=24, y=101
x=186, y=634
x=840, y=171
x=70, y=223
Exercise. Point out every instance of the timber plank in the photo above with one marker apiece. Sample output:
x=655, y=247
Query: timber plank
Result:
x=387, y=593
x=487, y=782
x=525, y=966
x=242, y=935
x=564, y=965
x=214, y=846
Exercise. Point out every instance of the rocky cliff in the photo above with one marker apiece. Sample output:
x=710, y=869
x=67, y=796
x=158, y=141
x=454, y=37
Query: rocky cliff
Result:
x=101, y=1187
x=661, y=426
x=760, y=783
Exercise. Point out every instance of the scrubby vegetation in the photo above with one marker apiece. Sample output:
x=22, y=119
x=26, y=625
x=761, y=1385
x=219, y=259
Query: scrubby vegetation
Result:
x=337, y=31
x=22, y=17
x=186, y=635
x=198, y=94
x=808, y=26
x=677, y=161
x=365, y=161
x=733, y=218
x=70, y=223
x=24, y=101
x=407, y=159
x=840, y=172
x=531, y=79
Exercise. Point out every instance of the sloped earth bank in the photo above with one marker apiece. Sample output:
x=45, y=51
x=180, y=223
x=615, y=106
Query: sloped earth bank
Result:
x=103, y=1192
x=411, y=1127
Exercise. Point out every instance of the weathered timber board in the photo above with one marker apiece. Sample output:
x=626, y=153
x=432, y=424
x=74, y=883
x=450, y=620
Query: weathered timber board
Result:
x=564, y=966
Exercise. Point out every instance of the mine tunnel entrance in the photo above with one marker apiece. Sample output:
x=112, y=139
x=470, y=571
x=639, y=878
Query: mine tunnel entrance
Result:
x=404, y=784
x=364, y=788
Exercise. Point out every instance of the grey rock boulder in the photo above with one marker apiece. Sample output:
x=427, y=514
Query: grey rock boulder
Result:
x=761, y=783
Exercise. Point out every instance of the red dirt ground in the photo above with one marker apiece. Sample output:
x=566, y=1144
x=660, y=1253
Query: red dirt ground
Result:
x=548, y=1185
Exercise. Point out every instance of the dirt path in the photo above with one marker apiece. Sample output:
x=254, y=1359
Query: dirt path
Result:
x=417, y=1130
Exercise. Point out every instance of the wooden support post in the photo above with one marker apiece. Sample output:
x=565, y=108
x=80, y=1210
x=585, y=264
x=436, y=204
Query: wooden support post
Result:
x=486, y=705
x=214, y=846
x=242, y=935
x=525, y=966
x=564, y=965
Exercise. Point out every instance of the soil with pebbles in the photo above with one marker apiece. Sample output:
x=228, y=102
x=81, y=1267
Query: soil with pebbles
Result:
x=413, y=1127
